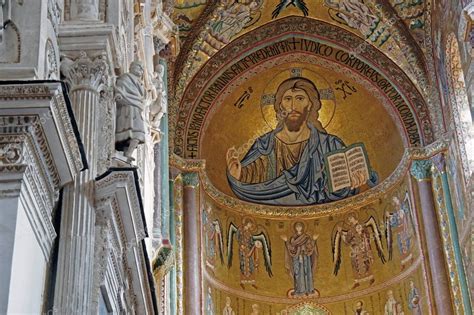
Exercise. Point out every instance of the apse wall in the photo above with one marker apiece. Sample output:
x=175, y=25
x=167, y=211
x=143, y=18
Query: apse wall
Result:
x=310, y=150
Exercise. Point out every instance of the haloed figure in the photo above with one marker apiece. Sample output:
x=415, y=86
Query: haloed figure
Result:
x=301, y=254
x=286, y=166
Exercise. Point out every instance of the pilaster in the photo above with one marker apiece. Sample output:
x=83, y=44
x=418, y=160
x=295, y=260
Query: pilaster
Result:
x=39, y=153
x=123, y=230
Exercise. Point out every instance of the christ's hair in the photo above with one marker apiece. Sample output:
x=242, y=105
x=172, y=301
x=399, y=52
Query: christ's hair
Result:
x=313, y=95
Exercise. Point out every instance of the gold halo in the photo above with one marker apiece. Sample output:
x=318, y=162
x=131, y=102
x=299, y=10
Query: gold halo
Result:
x=327, y=96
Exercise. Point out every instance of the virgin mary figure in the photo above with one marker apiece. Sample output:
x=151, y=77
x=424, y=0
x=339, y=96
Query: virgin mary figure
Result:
x=301, y=254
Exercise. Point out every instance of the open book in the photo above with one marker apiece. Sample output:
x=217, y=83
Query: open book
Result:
x=342, y=164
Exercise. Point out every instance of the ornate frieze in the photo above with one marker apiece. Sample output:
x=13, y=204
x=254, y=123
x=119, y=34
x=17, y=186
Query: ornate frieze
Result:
x=51, y=71
x=54, y=14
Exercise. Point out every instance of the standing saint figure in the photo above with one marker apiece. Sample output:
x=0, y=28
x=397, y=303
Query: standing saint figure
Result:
x=130, y=97
x=358, y=237
x=359, y=310
x=400, y=221
x=228, y=308
x=213, y=241
x=286, y=166
x=391, y=305
x=250, y=243
x=414, y=299
x=301, y=254
x=209, y=303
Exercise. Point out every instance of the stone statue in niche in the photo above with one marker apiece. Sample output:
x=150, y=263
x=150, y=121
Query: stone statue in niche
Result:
x=293, y=164
x=131, y=102
x=301, y=254
x=158, y=107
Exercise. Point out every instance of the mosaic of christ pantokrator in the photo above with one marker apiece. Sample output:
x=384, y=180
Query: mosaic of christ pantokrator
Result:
x=298, y=162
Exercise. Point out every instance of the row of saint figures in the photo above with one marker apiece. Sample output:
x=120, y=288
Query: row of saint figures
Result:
x=362, y=242
x=395, y=304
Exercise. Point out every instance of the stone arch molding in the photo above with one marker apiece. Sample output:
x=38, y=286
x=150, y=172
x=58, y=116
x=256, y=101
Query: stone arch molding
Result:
x=295, y=35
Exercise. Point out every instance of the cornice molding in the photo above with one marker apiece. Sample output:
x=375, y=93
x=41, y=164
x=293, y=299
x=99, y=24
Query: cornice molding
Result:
x=119, y=188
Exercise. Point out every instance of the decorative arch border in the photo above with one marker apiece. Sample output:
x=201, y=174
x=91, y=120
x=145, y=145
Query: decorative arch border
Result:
x=304, y=30
x=460, y=120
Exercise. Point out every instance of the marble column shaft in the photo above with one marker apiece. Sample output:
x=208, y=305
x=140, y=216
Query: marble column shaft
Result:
x=434, y=243
x=192, y=252
x=73, y=292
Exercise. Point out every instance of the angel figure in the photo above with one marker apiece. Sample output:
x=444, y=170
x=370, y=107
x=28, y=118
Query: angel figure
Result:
x=250, y=243
x=355, y=14
x=358, y=236
x=213, y=240
x=400, y=221
x=301, y=254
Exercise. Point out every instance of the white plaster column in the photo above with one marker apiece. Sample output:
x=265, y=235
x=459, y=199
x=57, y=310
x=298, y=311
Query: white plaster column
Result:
x=86, y=77
x=39, y=153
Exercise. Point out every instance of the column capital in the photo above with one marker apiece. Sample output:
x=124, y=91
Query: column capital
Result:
x=191, y=180
x=439, y=162
x=86, y=72
x=421, y=169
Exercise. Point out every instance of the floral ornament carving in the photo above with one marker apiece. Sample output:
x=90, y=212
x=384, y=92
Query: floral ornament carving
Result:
x=54, y=14
x=51, y=70
x=86, y=72
x=10, y=153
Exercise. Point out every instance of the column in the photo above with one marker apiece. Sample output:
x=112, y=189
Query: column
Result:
x=192, y=248
x=439, y=162
x=421, y=171
x=86, y=78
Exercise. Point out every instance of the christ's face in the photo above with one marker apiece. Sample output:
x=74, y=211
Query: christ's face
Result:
x=296, y=104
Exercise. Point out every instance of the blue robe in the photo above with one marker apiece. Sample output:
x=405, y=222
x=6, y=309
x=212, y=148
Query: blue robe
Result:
x=305, y=183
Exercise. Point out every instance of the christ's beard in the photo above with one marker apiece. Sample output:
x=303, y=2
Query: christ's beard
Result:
x=294, y=124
